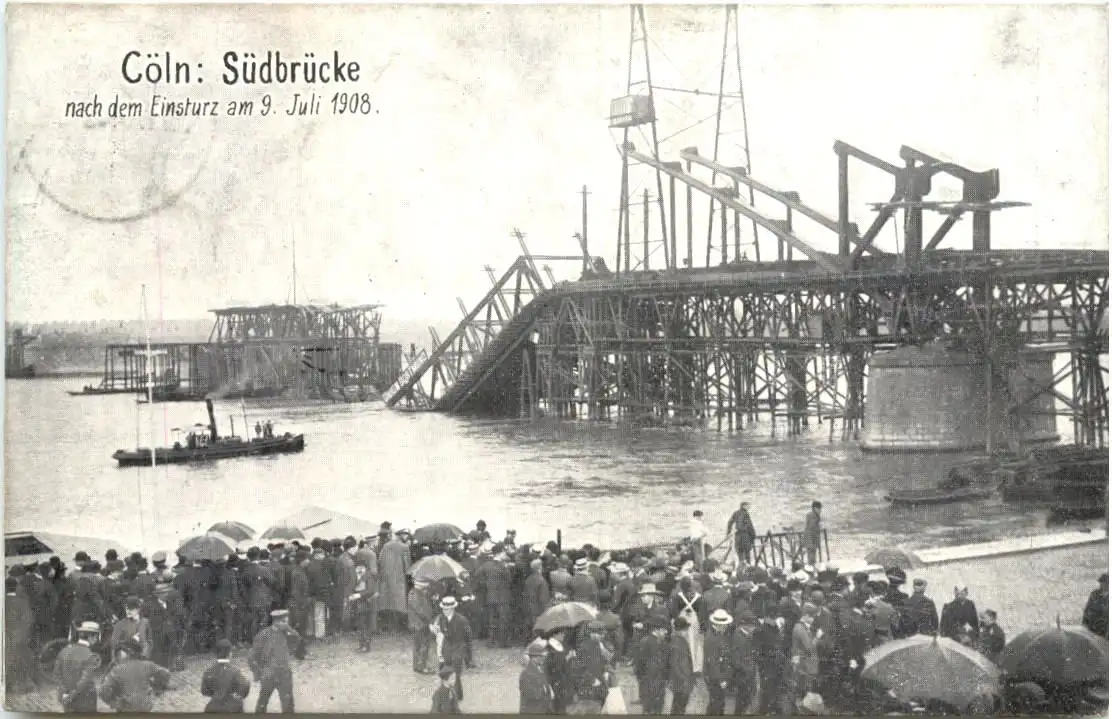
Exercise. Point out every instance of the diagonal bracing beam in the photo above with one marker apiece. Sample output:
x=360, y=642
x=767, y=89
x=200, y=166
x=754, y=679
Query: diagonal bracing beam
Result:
x=691, y=154
x=821, y=259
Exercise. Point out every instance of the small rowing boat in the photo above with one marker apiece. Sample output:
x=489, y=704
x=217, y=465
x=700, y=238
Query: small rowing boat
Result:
x=915, y=497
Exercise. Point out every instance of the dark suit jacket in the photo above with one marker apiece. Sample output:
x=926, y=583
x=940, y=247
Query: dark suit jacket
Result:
x=957, y=614
x=226, y=686
x=681, y=672
x=536, y=693
x=444, y=701
x=75, y=673
x=457, y=637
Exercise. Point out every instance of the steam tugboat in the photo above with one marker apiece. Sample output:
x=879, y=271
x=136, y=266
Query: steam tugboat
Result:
x=203, y=444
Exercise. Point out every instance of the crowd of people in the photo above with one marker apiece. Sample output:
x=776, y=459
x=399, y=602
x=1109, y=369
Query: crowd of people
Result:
x=775, y=640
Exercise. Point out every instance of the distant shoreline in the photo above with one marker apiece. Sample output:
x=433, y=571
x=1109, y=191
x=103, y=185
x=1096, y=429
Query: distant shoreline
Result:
x=47, y=374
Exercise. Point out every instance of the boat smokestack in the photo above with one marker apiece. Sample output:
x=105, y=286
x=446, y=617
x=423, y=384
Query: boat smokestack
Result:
x=212, y=418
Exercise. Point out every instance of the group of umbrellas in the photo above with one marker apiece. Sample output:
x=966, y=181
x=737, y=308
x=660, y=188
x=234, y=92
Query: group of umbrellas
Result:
x=924, y=668
x=223, y=538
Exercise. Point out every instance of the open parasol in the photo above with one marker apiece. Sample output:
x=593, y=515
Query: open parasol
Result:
x=205, y=547
x=894, y=557
x=282, y=533
x=435, y=568
x=235, y=531
x=1063, y=655
x=565, y=615
x=922, y=668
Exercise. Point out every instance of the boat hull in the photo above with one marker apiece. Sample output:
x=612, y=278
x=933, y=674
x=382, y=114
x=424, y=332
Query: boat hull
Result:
x=912, y=498
x=96, y=391
x=183, y=455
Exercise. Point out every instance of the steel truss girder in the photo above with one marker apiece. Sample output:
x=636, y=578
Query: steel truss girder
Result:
x=426, y=379
x=801, y=355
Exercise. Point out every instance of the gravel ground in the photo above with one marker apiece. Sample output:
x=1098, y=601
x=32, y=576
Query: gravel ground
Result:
x=1026, y=590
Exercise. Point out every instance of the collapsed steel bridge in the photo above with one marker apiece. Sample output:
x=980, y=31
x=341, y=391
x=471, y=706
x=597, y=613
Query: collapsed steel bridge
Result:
x=787, y=340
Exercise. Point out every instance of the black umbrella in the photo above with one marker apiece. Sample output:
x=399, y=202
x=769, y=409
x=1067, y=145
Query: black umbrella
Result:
x=235, y=531
x=440, y=532
x=206, y=546
x=1063, y=655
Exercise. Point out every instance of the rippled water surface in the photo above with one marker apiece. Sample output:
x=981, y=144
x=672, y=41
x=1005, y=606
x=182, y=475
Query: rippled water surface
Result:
x=602, y=483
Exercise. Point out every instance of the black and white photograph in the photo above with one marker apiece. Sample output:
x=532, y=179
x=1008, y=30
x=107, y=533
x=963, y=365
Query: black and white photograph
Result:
x=556, y=358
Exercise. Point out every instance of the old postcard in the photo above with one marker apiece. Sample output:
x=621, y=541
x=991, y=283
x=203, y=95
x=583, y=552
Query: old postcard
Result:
x=556, y=359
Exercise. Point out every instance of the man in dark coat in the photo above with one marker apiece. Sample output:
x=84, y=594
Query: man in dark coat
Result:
x=444, y=699
x=75, y=671
x=532, y=684
x=345, y=586
x=812, y=533
x=681, y=670
x=745, y=535
x=717, y=662
x=453, y=639
x=18, y=625
x=1095, y=617
x=582, y=586
x=131, y=682
x=772, y=654
x=744, y=662
x=650, y=665
x=895, y=598
x=225, y=685
x=922, y=615
x=300, y=603
x=492, y=582
x=992, y=639
x=269, y=660
x=535, y=594
x=590, y=667
x=959, y=618
x=320, y=592
x=258, y=582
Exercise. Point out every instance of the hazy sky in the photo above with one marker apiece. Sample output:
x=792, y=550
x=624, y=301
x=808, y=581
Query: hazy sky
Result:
x=493, y=117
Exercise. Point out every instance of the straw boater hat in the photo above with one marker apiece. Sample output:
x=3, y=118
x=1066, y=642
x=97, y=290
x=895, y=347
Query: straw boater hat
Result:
x=720, y=617
x=581, y=563
x=648, y=588
x=88, y=627
x=448, y=602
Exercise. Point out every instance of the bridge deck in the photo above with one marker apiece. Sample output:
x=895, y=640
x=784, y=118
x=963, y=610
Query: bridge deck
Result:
x=941, y=268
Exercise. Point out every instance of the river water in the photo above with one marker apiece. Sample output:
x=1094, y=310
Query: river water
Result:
x=601, y=483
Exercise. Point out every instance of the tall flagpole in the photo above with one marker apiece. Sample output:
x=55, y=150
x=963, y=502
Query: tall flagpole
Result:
x=150, y=403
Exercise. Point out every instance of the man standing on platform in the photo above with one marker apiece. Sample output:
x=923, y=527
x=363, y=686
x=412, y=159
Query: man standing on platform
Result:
x=269, y=660
x=697, y=535
x=812, y=533
x=741, y=524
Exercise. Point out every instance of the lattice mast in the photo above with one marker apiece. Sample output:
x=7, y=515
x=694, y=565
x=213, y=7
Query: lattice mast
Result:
x=731, y=60
x=636, y=109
